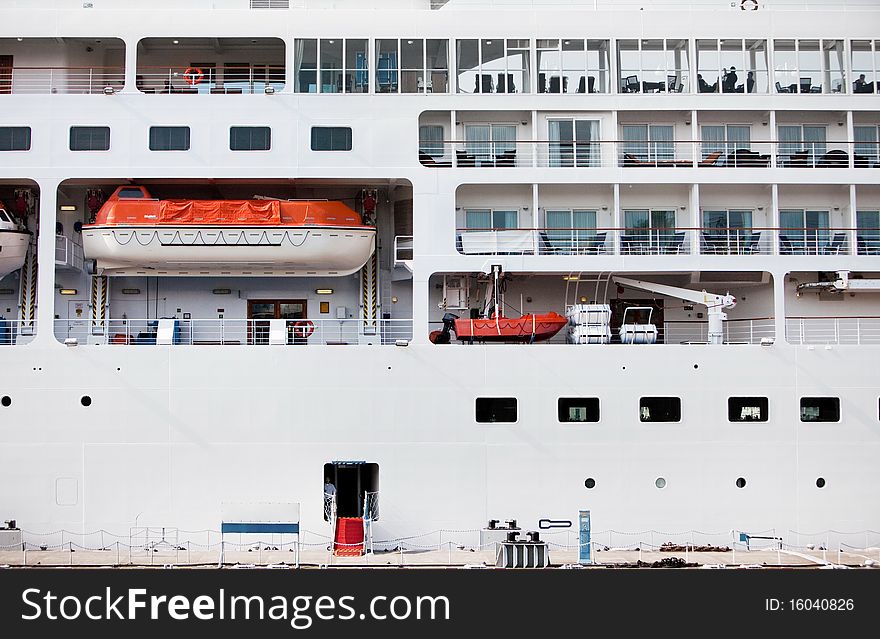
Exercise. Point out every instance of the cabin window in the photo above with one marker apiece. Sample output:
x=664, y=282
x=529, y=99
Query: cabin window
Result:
x=492, y=65
x=90, y=138
x=578, y=409
x=747, y=409
x=820, y=409
x=130, y=194
x=431, y=140
x=169, y=138
x=660, y=409
x=250, y=138
x=572, y=66
x=331, y=138
x=15, y=138
x=492, y=410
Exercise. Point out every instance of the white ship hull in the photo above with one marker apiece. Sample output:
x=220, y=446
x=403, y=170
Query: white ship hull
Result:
x=194, y=250
x=13, y=249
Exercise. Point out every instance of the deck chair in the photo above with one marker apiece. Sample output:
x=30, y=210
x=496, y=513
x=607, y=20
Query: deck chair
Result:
x=782, y=89
x=675, y=246
x=631, y=84
x=836, y=245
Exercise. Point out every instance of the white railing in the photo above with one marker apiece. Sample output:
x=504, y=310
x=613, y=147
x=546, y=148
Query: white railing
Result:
x=403, y=249
x=68, y=253
x=234, y=332
x=209, y=80
x=81, y=80
x=833, y=330
x=14, y=331
x=647, y=154
x=595, y=241
x=744, y=331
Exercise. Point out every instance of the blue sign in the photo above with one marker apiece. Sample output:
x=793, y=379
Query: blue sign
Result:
x=584, y=537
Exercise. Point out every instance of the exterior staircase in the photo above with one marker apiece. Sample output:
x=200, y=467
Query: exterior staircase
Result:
x=349, y=537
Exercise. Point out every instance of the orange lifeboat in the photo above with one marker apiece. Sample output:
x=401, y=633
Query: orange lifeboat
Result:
x=527, y=328
x=135, y=234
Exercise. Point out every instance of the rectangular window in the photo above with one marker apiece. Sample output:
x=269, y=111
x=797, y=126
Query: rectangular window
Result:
x=865, y=65
x=660, y=409
x=648, y=143
x=250, y=138
x=90, y=138
x=15, y=138
x=803, y=231
x=728, y=232
x=866, y=149
x=573, y=142
x=578, y=409
x=572, y=231
x=652, y=66
x=492, y=410
x=801, y=145
x=431, y=140
x=491, y=220
x=725, y=139
x=747, y=409
x=820, y=409
x=488, y=145
x=493, y=65
x=331, y=138
x=169, y=138
x=868, y=233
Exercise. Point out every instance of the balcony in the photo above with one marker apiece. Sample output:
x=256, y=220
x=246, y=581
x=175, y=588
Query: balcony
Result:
x=235, y=332
x=630, y=154
x=667, y=241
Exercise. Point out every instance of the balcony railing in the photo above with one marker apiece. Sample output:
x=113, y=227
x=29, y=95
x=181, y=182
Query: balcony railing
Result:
x=42, y=80
x=14, y=331
x=644, y=154
x=668, y=241
x=68, y=254
x=234, y=332
x=209, y=80
x=833, y=330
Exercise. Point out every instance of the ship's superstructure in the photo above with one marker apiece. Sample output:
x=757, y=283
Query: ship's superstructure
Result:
x=468, y=260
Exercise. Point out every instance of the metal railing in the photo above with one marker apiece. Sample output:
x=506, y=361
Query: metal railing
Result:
x=403, y=249
x=736, y=331
x=15, y=331
x=68, y=80
x=668, y=241
x=235, y=332
x=210, y=79
x=833, y=330
x=648, y=154
x=68, y=253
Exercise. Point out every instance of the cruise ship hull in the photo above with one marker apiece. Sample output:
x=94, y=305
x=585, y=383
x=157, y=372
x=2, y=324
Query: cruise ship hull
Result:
x=209, y=250
x=173, y=432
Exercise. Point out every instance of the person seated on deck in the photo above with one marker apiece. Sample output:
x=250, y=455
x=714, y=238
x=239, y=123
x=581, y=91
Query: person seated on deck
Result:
x=860, y=86
x=705, y=87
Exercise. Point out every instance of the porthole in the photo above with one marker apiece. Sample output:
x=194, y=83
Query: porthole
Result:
x=741, y=482
x=590, y=482
x=660, y=483
x=6, y=400
x=85, y=400
x=820, y=483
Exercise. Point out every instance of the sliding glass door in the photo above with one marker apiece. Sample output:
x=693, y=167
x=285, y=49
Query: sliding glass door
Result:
x=803, y=231
x=571, y=231
x=573, y=143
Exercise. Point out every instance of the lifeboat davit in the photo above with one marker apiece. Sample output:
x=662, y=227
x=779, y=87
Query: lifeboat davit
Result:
x=527, y=328
x=13, y=244
x=135, y=234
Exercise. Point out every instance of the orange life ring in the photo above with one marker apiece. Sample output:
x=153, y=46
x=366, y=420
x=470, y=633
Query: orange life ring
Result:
x=303, y=328
x=193, y=75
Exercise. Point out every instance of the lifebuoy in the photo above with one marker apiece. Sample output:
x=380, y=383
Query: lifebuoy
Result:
x=303, y=328
x=193, y=75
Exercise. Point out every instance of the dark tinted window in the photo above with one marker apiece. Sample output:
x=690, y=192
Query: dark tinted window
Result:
x=250, y=138
x=15, y=138
x=820, y=409
x=747, y=409
x=90, y=138
x=169, y=138
x=496, y=409
x=331, y=138
x=660, y=409
x=578, y=409
x=130, y=194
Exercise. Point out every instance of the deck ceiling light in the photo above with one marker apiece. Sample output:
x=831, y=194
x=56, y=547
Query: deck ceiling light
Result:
x=68, y=291
x=68, y=207
x=221, y=291
x=175, y=42
x=131, y=291
x=324, y=291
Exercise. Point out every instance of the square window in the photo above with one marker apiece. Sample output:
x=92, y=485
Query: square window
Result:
x=492, y=410
x=578, y=409
x=250, y=138
x=820, y=409
x=15, y=138
x=169, y=138
x=90, y=138
x=747, y=409
x=331, y=138
x=660, y=409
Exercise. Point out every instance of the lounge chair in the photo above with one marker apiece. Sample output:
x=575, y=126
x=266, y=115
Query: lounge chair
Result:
x=675, y=245
x=712, y=159
x=836, y=245
x=834, y=158
x=630, y=160
x=782, y=89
